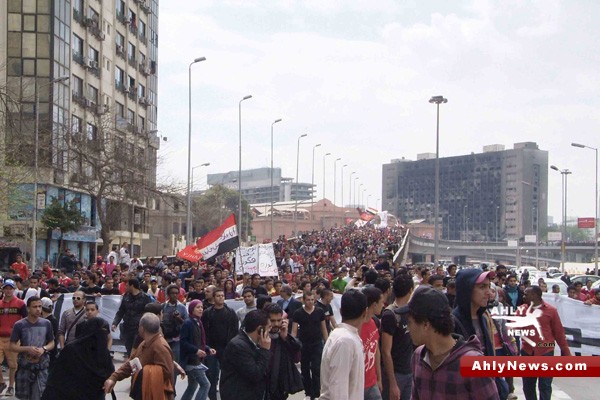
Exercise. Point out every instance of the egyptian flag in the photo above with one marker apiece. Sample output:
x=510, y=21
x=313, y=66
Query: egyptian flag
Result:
x=190, y=253
x=222, y=240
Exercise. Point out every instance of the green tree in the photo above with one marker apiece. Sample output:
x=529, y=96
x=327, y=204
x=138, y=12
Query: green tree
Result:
x=64, y=217
x=213, y=206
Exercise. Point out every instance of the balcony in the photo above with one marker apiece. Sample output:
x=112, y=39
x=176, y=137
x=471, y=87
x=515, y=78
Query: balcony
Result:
x=78, y=17
x=144, y=69
x=95, y=29
x=143, y=102
x=78, y=98
x=78, y=58
x=131, y=60
x=133, y=29
x=120, y=51
x=120, y=87
x=131, y=93
x=122, y=18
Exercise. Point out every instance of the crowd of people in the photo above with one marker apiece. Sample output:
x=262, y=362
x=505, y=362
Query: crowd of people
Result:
x=400, y=325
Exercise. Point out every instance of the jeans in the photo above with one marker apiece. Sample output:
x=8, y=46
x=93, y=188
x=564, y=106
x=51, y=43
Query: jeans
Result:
x=128, y=335
x=404, y=382
x=214, y=368
x=196, y=377
x=310, y=368
x=373, y=393
x=544, y=384
x=174, y=345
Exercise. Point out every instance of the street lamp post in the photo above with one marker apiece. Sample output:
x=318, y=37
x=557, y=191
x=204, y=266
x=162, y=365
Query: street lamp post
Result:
x=239, y=222
x=324, y=157
x=360, y=190
x=537, y=227
x=297, y=169
x=564, y=174
x=312, y=181
x=496, y=221
x=355, y=179
x=334, y=179
x=274, y=122
x=36, y=167
x=596, y=201
x=368, y=197
x=197, y=166
x=188, y=228
x=342, y=184
x=350, y=187
x=437, y=100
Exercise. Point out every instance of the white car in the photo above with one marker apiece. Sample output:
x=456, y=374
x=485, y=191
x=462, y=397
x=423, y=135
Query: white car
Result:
x=553, y=281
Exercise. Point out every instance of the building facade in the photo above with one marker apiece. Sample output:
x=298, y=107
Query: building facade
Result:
x=495, y=195
x=256, y=185
x=77, y=71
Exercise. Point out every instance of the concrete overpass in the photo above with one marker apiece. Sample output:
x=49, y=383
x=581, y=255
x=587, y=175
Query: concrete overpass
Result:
x=548, y=253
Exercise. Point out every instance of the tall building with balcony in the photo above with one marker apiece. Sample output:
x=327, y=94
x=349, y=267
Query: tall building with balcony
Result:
x=256, y=185
x=498, y=194
x=108, y=52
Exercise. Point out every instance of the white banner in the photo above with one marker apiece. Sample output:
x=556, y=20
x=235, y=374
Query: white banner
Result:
x=258, y=259
x=554, y=236
x=383, y=217
x=530, y=239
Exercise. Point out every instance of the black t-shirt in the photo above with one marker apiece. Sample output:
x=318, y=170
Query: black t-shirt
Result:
x=106, y=291
x=328, y=310
x=402, y=348
x=195, y=296
x=309, y=325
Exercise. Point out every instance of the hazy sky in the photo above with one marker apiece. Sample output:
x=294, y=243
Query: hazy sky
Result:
x=357, y=76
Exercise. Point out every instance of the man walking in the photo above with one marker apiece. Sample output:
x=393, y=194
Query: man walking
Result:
x=288, y=302
x=174, y=314
x=130, y=311
x=283, y=377
x=436, y=361
x=221, y=325
x=343, y=361
x=369, y=334
x=246, y=360
x=551, y=331
x=32, y=338
x=309, y=326
x=70, y=319
x=12, y=309
x=250, y=301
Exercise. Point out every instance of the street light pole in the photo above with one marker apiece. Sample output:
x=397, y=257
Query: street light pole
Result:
x=564, y=173
x=239, y=222
x=437, y=100
x=188, y=220
x=36, y=167
x=350, y=188
x=324, y=157
x=368, y=197
x=297, y=169
x=197, y=166
x=312, y=180
x=334, y=178
x=274, y=122
x=342, y=184
x=355, y=179
x=360, y=190
x=596, y=201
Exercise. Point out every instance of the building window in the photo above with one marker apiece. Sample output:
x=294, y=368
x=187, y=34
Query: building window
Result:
x=131, y=116
x=93, y=94
x=92, y=131
x=119, y=77
x=77, y=86
x=77, y=124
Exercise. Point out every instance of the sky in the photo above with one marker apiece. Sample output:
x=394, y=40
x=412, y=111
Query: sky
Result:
x=356, y=77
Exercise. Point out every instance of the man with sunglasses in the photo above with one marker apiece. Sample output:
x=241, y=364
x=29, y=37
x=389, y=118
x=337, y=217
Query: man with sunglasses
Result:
x=71, y=318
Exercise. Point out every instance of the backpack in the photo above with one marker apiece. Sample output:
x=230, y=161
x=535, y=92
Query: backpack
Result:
x=170, y=326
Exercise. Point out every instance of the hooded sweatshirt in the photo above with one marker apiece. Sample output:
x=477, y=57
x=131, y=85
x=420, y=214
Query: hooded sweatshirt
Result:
x=446, y=381
x=463, y=323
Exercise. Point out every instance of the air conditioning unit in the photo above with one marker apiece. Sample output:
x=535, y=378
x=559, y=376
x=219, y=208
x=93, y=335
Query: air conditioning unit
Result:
x=143, y=100
x=102, y=109
x=128, y=21
x=101, y=35
x=93, y=64
x=88, y=103
x=120, y=49
x=127, y=89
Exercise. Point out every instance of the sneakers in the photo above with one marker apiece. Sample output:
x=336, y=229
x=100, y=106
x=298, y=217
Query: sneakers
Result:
x=2, y=387
x=512, y=396
x=10, y=392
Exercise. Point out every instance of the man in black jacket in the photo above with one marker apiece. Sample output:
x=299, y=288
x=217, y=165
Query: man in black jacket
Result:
x=246, y=360
x=221, y=325
x=130, y=311
x=288, y=302
x=283, y=377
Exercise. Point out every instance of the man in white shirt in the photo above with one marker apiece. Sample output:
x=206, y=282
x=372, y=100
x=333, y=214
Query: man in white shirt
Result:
x=343, y=363
x=124, y=257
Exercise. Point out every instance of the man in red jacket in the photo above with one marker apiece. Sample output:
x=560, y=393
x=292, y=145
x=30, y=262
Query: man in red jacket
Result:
x=552, y=332
x=12, y=309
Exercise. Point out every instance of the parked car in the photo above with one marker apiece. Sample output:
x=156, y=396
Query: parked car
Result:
x=584, y=278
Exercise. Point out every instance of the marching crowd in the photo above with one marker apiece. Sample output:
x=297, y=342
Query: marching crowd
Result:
x=402, y=333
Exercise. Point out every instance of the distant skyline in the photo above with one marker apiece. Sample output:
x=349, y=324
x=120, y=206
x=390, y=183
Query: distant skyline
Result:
x=357, y=76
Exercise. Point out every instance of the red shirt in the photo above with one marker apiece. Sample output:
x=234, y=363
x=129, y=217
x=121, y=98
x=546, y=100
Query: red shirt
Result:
x=369, y=335
x=66, y=281
x=11, y=312
x=551, y=328
x=21, y=269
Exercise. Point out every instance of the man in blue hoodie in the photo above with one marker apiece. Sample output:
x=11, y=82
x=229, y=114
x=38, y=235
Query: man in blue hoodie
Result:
x=471, y=316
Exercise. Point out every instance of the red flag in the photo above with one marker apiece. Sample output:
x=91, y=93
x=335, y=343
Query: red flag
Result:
x=191, y=253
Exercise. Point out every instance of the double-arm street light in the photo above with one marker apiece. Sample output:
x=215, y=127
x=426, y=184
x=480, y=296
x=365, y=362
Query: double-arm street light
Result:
x=564, y=173
x=36, y=166
x=297, y=169
x=312, y=180
x=197, y=166
x=324, y=157
x=188, y=228
x=239, y=222
x=350, y=187
x=334, y=178
x=437, y=100
x=596, y=201
x=271, y=195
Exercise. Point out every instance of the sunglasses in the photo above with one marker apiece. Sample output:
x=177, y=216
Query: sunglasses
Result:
x=77, y=298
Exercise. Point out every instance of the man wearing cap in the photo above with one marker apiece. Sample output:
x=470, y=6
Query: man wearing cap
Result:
x=12, y=309
x=471, y=314
x=436, y=361
x=47, y=308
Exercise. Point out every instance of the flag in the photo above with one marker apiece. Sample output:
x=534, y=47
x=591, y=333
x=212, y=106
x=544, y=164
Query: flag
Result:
x=190, y=253
x=219, y=241
x=366, y=216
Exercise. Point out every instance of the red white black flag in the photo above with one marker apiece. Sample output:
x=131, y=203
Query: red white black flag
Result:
x=219, y=241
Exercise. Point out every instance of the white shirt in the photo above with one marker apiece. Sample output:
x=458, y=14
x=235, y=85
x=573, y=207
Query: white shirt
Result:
x=124, y=257
x=343, y=365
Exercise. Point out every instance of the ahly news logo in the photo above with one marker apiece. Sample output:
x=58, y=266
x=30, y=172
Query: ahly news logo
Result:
x=520, y=323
